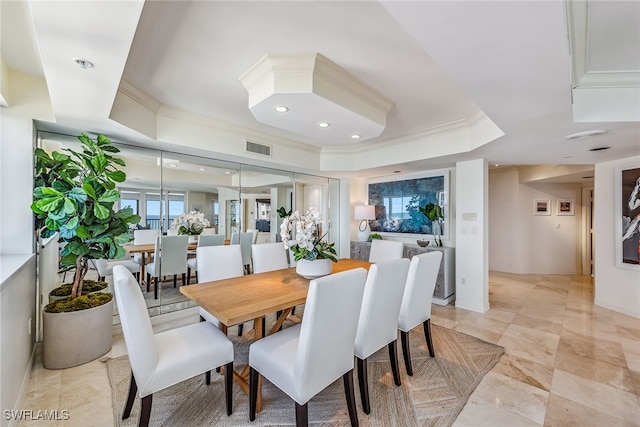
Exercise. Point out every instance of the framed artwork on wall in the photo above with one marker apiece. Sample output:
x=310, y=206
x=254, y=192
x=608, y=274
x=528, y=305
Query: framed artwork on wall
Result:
x=542, y=207
x=565, y=207
x=628, y=217
x=398, y=200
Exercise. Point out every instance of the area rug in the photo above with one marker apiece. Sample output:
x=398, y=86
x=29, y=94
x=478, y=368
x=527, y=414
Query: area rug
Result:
x=433, y=396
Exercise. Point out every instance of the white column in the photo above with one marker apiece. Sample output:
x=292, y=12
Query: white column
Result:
x=472, y=237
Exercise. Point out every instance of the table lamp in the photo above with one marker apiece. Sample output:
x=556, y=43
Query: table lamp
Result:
x=365, y=213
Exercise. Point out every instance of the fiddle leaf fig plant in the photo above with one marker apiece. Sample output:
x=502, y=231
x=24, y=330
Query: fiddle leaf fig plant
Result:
x=75, y=195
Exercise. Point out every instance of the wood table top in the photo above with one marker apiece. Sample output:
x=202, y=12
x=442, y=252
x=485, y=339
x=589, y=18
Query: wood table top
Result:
x=251, y=296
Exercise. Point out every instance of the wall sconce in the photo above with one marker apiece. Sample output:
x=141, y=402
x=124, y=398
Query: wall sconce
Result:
x=364, y=213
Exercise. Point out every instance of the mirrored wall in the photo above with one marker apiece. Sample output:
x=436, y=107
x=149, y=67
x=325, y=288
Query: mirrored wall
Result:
x=233, y=197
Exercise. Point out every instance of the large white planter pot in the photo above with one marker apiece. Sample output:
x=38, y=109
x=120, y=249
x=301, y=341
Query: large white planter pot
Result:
x=312, y=269
x=71, y=339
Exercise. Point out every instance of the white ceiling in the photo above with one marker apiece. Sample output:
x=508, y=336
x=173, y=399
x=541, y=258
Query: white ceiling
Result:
x=441, y=62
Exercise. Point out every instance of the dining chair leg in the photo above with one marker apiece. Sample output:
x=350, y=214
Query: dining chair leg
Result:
x=148, y=282
x=302, y=415
x=253, y=393
x=207, y=377
x=240, y=329
x=196, y=276
x=133, y=390
x=406, y=353
x=228, y=386
x=393, y=357
x=363, y=382
x=188, y=276
x=184, y=278
x=347, y=379
x=427, y=335
x=145, y=411
x=175, y=280
x=156, y=283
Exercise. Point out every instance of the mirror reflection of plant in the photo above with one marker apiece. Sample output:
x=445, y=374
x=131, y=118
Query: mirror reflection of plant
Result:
x=433, y=211
x=416, y=220
x=282, y=212
x=74, y=196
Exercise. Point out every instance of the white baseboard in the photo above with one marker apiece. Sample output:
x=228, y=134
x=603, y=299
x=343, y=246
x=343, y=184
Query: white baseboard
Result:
x=24, y=387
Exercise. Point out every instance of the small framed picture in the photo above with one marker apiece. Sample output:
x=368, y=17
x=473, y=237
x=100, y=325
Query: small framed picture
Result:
x=565, y=206
x=542, y=207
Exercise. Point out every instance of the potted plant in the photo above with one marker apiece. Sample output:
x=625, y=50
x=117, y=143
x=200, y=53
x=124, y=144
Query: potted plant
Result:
x=433, y=211
x=301, y=234
x=74, y=196
x=190, y=224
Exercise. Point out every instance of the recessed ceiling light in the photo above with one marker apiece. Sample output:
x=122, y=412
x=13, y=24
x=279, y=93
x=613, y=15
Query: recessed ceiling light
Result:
x=568, y=157
x=585, y=134
x=202, y=169
x=599, y=149
x=323, y=125
x=227, y=172
x=173, y=165
x=83, y=63
x=355, y=136
x=281, y=108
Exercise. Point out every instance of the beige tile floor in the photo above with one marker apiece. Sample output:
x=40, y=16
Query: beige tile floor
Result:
x=567, y=362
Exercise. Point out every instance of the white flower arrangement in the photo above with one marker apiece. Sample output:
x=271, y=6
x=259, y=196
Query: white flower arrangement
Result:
x=190, y=224
x=300, y=233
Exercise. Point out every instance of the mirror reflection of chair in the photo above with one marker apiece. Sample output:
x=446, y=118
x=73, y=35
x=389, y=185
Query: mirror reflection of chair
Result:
x=245, y=240
x=105, y=267
x=378, y=324
x=203, y=240
x=254, y=231
x=170, y=259
x=161, y=360
x=306, y=358
x=208, y=231
x=385, y=250
x=144, y=237
x=416, y=301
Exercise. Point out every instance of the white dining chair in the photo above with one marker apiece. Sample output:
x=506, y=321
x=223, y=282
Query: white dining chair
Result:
x=378, y=323
x=105, y=267
x=208, y=231
x=385, y=250
x=144, y=237
x=253, y=231
x=416, y=301
x=172, y=232
x=304, y=359
x=170, y=259
x=167, y=358
x=218, y=263
x=203, y=240
x=267, y=257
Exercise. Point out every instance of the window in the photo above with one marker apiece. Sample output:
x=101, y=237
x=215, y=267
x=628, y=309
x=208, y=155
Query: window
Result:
x=129, y=203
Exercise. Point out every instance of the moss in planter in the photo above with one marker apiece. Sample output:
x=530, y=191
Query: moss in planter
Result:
x=88, y=287
x=83, y=302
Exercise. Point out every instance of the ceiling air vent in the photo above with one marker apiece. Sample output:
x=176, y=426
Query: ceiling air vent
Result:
x=254, y=147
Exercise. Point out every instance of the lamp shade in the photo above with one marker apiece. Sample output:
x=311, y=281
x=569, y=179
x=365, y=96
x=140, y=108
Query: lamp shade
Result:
x=364, y=212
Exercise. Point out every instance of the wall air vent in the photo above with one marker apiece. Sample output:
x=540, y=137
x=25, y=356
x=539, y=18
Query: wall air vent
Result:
x=254, y=147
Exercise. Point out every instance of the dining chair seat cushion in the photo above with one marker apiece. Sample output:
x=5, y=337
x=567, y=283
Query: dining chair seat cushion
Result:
x=207, y=346
x=137, y=257
x=208, y=316
x=192, y=263
x=105, y=267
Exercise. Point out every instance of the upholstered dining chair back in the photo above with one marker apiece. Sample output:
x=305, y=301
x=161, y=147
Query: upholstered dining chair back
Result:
x=172, y=232
x=145, y=237
x=208, y=231
x=171, y=251
x=210, y=240
x=385, y=250
x=418, y=293
x=320, y=349
x=269, y=257
x=378, y=323
x=161, y=360
x=416, y=301
x=246, y=240
x=253, y=231
x=218, y=262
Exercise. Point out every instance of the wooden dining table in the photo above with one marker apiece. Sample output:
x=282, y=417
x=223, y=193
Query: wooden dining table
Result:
x=253, y=296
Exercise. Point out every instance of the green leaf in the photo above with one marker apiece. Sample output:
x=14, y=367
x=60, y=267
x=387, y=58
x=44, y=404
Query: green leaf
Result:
x=60, y=186
x=52, y=224
x=110, y=149
x=107, y=240
x=120, y=252
x=72, y=223
x=48, y=191
x=35, y=208
x=49, y=204
x=67, y=233
x=37, y=192
x=69, y=259
x=99, y=163
x=83, y=232
x=69, y=206
x=122, y=239
x=77, y=194
x=117, y=176
x=118, y=161
x=78, y=248
x=109, y=196
x=88, y=188
x=100, y=211
x=59, y=157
